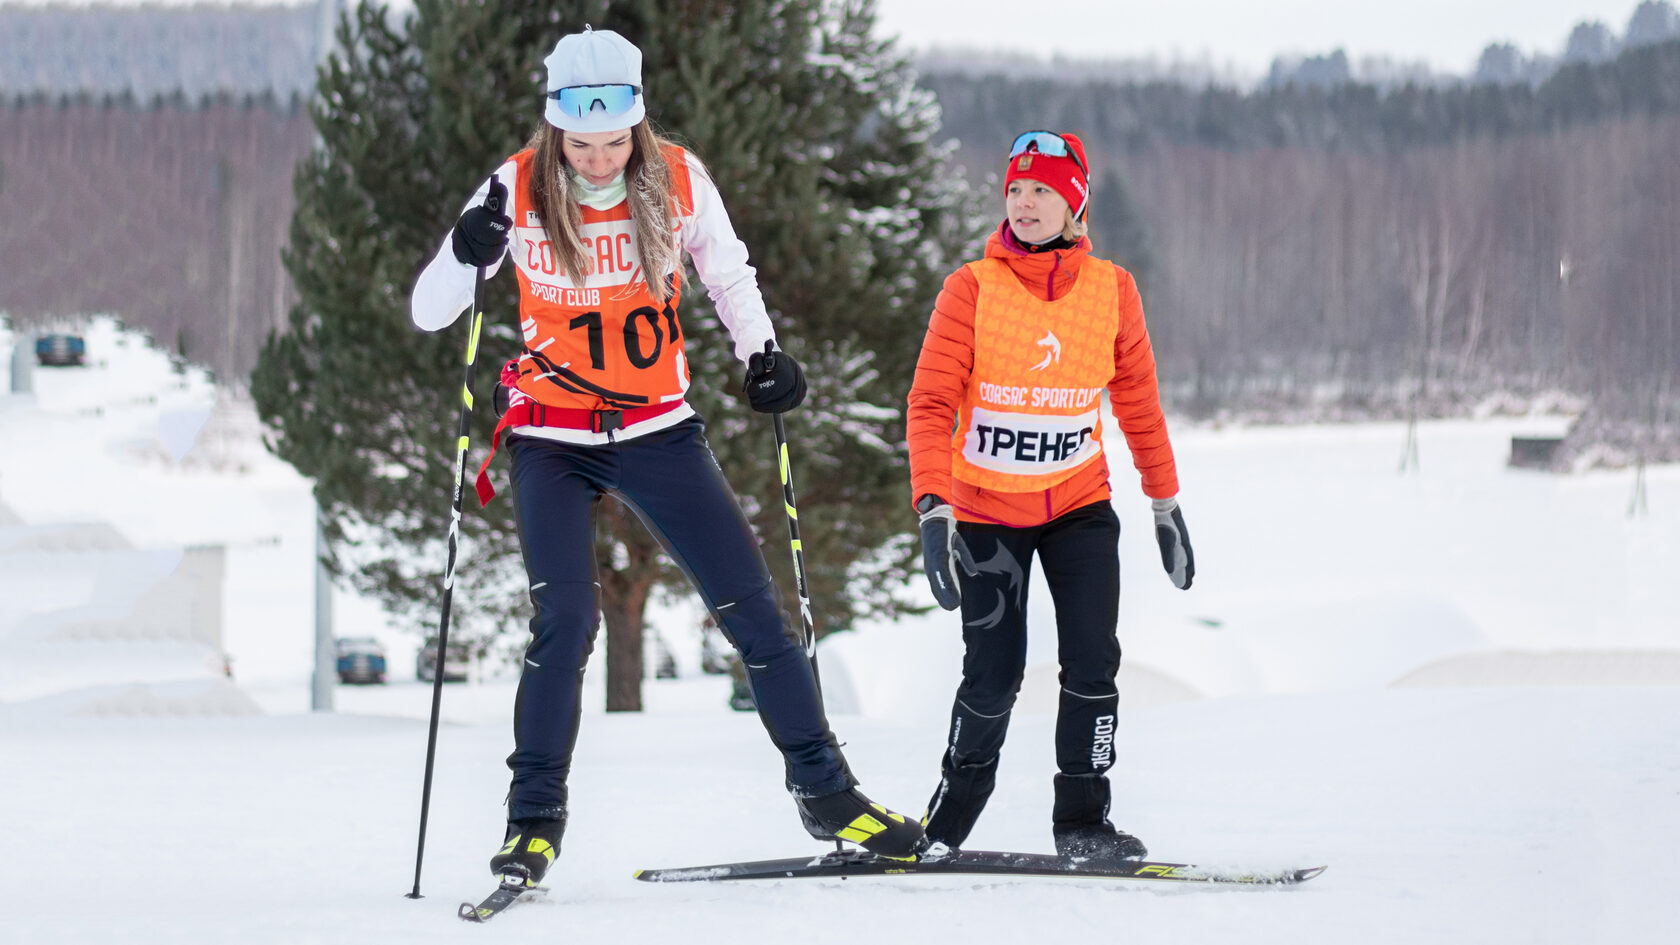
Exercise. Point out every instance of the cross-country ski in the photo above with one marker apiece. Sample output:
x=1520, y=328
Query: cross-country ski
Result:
x=844, y=865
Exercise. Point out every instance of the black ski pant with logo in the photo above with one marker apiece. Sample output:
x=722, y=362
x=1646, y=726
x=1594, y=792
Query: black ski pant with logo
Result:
x=671, y=480
x=1080, y=554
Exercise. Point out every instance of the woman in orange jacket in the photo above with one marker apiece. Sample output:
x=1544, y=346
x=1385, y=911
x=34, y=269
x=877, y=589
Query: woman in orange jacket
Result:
x=1007, y=461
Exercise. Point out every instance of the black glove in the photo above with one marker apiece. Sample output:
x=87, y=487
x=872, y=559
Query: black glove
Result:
x=481, y=235
x=775, y=384
x=943, y=551
x=1174, y=540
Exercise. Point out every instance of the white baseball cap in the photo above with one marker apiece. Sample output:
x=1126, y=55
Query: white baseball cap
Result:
x=594, y=82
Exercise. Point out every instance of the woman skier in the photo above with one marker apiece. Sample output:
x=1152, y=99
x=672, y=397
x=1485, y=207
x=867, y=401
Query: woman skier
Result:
x=601, y=211
x=1019, y=349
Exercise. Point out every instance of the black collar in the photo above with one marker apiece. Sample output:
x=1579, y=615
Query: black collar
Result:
x=1060, y=242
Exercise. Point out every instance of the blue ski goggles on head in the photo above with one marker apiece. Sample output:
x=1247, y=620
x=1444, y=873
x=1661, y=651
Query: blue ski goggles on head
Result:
x=580, y=100
x=1047, y=142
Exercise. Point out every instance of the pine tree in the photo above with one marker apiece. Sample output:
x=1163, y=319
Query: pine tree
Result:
x=824, y=154
x=1121, y=230
x=1653, y=21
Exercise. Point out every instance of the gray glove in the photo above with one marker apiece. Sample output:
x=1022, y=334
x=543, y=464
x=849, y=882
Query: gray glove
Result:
x=1174, y=540
x=943, y=551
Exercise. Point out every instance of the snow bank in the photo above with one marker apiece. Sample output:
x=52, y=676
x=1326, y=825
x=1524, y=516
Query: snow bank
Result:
x=198, y=698
x=1566, y=668
x=1504, y=816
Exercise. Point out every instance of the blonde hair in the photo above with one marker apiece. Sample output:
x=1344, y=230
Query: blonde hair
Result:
x=1073, y=229
x=648, y=180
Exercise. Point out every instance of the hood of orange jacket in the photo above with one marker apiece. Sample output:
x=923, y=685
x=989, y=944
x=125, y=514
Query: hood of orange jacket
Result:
x=1047, y=274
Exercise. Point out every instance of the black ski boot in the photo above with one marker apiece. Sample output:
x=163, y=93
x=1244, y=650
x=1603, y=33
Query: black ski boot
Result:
x=1080, y=824
x=957, y=802
x=1099, y=843
x=527, y=851
x=850, y=816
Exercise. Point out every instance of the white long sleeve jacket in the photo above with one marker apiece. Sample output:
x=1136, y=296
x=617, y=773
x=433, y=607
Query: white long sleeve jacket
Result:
x=445, y=287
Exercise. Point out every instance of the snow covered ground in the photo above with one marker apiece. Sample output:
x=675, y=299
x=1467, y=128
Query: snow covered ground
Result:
x=1459, y=687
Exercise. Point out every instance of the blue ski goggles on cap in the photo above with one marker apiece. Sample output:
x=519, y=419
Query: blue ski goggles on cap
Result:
x=1047, y=142
x=580, y=100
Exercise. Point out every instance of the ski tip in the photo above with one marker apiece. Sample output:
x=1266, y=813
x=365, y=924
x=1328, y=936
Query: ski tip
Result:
x=469, y=912
x=1302, y=875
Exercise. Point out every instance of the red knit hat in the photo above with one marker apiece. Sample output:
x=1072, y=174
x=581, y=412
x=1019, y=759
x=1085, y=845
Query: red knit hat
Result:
x=1066, y=176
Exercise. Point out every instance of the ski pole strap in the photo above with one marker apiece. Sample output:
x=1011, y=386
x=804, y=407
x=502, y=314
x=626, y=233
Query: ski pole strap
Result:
x=529, y=413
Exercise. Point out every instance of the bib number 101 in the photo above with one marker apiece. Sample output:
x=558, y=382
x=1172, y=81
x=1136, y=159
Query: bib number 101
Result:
x=642, y=360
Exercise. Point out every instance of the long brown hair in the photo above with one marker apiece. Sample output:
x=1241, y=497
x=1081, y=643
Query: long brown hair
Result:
x=648, y=180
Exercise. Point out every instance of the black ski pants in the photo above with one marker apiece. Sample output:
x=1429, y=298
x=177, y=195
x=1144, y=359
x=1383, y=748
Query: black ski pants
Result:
x=1080, y=554
x=671, y=480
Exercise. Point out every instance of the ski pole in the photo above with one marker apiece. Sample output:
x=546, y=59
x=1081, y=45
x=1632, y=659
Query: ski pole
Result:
x=789, y=503
x=463, y=439
x=808, y=625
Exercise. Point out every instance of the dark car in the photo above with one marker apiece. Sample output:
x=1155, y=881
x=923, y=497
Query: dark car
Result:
x=455, y=665
x=60, y=350
x=361, y=660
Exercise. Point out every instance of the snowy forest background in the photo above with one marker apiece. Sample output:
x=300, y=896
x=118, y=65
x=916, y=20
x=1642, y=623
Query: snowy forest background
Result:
x=1364, y=239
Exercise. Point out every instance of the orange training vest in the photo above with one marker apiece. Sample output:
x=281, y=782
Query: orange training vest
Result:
x=1031, y=415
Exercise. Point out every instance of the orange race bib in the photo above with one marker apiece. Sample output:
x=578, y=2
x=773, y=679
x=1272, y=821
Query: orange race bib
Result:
x=601, y=341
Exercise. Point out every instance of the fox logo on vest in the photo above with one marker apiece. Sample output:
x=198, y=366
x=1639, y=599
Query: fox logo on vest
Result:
x=1054, y=355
